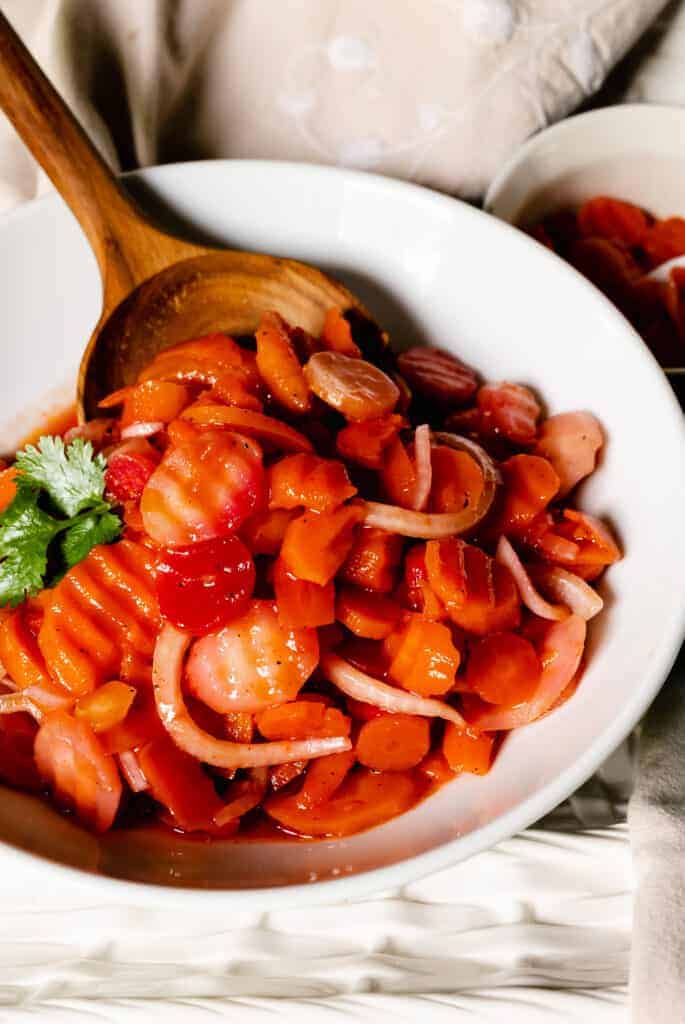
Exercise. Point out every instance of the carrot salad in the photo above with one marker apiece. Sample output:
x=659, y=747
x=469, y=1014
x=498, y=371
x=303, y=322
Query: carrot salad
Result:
x=290, y=579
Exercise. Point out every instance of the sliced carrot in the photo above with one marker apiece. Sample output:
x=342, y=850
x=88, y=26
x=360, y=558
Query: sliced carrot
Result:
x=315, y=546
x=446, y=570
x=435, y=767
x=283, y=774
x=417, y=590
x=279, y=366
x=178, y=782
x=150, y=402
x=266, y=429
x=466, y=750
x=233, y=386
x=596, y=545
x=337, y=334
x=302, y=719
x=426, y=660
x=8, y=487
x=665, y=240
x=24, y=663
x=201, y=360
x=361, y=711
x=107, y=706
x=308, y=480
x=365, y=799
x=324, y=777
x=239, y=726
x=457, y=480
x=140, y=726
x=530, y=483
x=301, y=603
x=492, y=601
x=365, y=613
x=393, y=743
x=503, y=668
x=264, y=531
x=373, y=560
x=398, y=474
x=605, y=217
x=365, y=443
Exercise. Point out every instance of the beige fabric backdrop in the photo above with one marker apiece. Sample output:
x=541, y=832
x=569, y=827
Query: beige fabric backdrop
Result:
x=437, y=91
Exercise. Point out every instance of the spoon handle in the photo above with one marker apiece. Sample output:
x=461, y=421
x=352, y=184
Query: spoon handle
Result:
x=122, y=240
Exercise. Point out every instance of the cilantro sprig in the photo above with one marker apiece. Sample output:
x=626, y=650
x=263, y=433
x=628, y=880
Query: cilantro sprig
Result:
x=57, y=515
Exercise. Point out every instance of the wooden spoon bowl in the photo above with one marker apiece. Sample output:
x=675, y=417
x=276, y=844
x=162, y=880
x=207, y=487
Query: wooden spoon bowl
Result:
x=158, y=289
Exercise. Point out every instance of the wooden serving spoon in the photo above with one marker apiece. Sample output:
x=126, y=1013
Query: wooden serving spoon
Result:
x=157, y=289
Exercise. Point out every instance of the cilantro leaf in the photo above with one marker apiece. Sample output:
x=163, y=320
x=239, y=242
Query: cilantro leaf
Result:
x=56, y=517
x=97, y=528
x=25, y=534
x=72, y=477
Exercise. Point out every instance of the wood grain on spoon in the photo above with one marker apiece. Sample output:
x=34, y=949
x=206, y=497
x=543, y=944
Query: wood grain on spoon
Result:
x=157, y=289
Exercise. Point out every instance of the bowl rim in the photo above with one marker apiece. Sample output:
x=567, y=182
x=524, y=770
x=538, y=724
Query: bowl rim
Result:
x=413, y=868
x=563, y=130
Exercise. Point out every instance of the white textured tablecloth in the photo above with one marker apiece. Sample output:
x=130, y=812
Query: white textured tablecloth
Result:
x=537, y=929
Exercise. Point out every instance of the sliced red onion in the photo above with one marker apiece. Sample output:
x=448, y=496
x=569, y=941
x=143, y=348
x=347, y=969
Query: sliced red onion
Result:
x=141, y=430
x=435, y=525
x=134, y=775
x=570, y=589
x=534, y=601
x=99, y=432
x=360, y=686
x=423, y=466
x=10, y=703
x=167, y=671
x=244, y=796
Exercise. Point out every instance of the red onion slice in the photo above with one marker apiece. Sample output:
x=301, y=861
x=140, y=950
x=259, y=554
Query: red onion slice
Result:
x=141, y=430
x=436, y=525
x=10, y=703
x=167, y=670
x=132, y=772
x=570, y=589
x=423, y=466
x=533, y=600
x=360, y=686
x=244, y=796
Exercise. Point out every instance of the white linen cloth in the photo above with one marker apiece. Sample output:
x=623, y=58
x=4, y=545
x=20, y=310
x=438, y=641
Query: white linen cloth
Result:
x=439, y=92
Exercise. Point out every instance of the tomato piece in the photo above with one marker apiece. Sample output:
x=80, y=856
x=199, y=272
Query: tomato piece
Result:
x=503, y=668
x=301, y=603
x=357, y=389
x=316, y=545
x=614, y=219
x=392, y=743
x=310, y=481
x=201, y=587
x=365, y=613
x=336, y=334
x=279, y=366
x=466, y=750
x=364, y=799
x=425, y=660
x=203, y=489
x=437, y=375
x=665, y=240
x=253, y=663
x=457, y=480
x=365, y=443
x=177, y=781
x=509, y=410
x=301, y=720
x=80, y=774
x=107, y=706
x=129, y=467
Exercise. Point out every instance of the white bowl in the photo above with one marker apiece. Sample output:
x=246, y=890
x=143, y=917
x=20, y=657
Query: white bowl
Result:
x=634, y=152
x=432, y=270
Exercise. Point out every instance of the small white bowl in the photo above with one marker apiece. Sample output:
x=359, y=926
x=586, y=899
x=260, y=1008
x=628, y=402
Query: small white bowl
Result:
x=432, y=270
x=634, y=152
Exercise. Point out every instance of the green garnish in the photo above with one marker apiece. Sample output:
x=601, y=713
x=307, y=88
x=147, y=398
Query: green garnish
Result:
x=57, y=515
